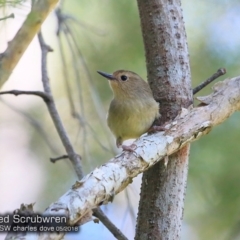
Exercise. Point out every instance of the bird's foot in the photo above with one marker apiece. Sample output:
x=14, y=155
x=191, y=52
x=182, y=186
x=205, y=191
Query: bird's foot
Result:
x=156, y=128
x=129, y=148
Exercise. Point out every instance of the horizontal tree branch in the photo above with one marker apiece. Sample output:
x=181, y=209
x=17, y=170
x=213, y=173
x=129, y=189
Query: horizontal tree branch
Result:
x=101, y=185
x=30, y=27
x=9, y=16
x=41, y=94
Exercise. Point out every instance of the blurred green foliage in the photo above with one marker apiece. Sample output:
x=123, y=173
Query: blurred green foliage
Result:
x=212, y=206
x=13, y=3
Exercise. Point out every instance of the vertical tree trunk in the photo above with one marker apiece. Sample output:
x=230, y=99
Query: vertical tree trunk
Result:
x=163, y=187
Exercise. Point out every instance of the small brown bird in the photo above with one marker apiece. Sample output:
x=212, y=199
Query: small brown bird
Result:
x=133, y=109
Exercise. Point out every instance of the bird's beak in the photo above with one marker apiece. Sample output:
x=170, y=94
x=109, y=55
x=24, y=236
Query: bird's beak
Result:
x=107, y=75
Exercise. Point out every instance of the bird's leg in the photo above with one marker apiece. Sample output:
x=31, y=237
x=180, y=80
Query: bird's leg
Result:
x=119, y=142
x=155, y=128
x=130, y=148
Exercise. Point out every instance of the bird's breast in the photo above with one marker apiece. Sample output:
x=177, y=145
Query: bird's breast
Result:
x=130, y=119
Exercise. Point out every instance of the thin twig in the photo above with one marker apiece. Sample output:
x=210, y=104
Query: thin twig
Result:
x=53, y=160
x=95, y=97
x=73, y=110
x=130, y=206
x=75, y=114
x=43, y=95
x=9, y=16
x=219, y=73
x=74, y=157
x=80, y=93
x=65, y=17
x=97, y=212
x=63, y=27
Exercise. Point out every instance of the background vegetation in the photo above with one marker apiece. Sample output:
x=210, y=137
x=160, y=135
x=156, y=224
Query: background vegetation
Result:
x=109, y=38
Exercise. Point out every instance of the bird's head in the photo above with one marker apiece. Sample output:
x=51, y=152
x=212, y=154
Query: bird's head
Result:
x=126, y=84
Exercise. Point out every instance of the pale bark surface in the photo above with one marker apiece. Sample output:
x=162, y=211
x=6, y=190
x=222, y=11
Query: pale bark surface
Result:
x=101, y=185
x=163, y=190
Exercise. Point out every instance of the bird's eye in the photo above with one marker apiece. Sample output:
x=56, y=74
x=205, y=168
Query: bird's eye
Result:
x=124, y=78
